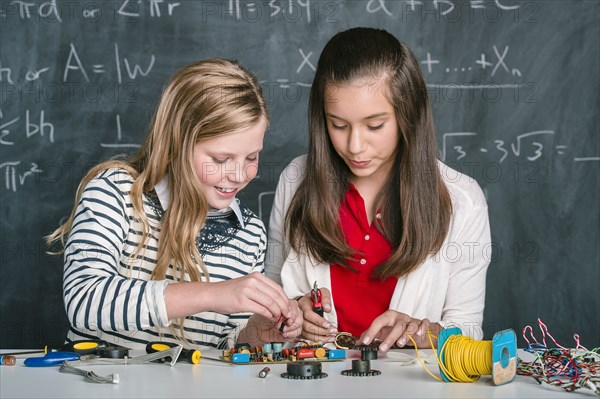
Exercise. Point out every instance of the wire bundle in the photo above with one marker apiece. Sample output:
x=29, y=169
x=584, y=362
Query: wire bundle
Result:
x=89, y=376
x=465, y=360
x=569, y=369
x=171, y=353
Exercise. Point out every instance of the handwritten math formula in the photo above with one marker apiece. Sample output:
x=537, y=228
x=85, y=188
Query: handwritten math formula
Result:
x=529, y=145
x=106, y=79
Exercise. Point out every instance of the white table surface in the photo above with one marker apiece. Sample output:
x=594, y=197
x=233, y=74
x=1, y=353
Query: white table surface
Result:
x=218, y=380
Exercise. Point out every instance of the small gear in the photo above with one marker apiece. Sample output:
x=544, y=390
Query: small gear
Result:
x=361, y=368
x=297, y=377
x=113, y=352
x=369, y=373
x=367, y=352
x=304, y=371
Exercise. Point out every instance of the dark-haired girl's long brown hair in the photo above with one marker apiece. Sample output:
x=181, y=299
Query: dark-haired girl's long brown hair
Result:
x=414, y=201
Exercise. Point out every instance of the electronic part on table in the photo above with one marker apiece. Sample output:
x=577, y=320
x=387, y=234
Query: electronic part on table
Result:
x=274, y=352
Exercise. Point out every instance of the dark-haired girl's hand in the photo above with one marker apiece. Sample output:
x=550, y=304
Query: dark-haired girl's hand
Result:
x=393, y=327
x=315, y=327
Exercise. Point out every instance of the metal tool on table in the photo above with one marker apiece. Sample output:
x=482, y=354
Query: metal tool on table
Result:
x=192, y=356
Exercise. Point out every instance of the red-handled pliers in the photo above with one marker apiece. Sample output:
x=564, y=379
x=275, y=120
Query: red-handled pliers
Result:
x=316, y=296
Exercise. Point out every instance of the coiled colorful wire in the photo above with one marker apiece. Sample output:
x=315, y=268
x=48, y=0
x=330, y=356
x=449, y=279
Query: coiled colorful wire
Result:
x=569, y=369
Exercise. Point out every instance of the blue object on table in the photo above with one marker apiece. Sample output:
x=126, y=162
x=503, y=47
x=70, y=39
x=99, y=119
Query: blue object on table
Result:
x=336, y=354
x=240, y=358
x=51, y=359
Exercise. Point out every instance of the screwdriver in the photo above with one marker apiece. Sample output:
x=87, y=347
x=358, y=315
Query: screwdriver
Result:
x=84, y=347
x=192, y=356
x=189, y=355
x=51, y=359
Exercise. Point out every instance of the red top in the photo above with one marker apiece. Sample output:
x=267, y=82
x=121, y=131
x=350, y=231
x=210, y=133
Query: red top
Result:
x=358, y=298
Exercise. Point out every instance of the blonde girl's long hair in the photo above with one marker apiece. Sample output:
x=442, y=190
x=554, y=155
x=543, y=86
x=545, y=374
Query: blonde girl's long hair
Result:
x=203, y=100
x=414, y=200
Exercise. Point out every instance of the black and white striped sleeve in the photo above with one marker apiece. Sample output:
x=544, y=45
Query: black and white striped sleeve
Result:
x=97, y=295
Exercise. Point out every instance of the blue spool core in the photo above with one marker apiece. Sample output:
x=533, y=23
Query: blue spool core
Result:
x=504, y=353
x=442, y=337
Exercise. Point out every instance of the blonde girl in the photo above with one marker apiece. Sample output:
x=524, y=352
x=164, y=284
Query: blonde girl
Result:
x=159, y=247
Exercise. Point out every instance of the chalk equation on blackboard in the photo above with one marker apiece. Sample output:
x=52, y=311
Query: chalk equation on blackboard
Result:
x=73, y=71
x=74, y=63
x=12, y=176
x=224, y=11
x=306, y=62
x=253, y=11
x=482, y=63
x=58, y=11
x=34, y=126
x=529, y=145
x=119, y=143
x=446, y=8
x=42, y=128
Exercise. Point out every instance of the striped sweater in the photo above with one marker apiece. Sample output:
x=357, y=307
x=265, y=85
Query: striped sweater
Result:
x=110, y=296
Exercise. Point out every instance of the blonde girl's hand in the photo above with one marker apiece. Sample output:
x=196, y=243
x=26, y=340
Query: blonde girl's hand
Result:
x=292, y=327
x=260, y=329
x=253, y=293
x=394, y=327
x=315, y=327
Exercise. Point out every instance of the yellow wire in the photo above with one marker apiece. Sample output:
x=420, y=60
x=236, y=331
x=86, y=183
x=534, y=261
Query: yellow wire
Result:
x=465, y=360
x=419, y=356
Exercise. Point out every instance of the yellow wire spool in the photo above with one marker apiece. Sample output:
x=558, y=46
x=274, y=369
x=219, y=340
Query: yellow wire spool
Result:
x=466, y=360
x=462, y=359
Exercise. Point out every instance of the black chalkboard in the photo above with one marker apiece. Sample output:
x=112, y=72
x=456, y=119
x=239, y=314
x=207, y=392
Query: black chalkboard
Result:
x=514, y=89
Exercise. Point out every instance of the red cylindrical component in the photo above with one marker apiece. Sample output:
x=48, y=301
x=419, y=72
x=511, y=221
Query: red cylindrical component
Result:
x=305, y=353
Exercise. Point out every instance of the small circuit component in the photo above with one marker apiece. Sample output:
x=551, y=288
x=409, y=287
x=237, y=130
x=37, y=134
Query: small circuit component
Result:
x=274, y=352
x=8, y=360
x=264, y=372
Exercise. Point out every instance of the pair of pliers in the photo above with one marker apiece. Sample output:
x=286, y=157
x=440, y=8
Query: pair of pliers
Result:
x=317, y=297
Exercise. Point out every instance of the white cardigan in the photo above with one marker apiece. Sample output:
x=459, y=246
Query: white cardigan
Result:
x=448, y=288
